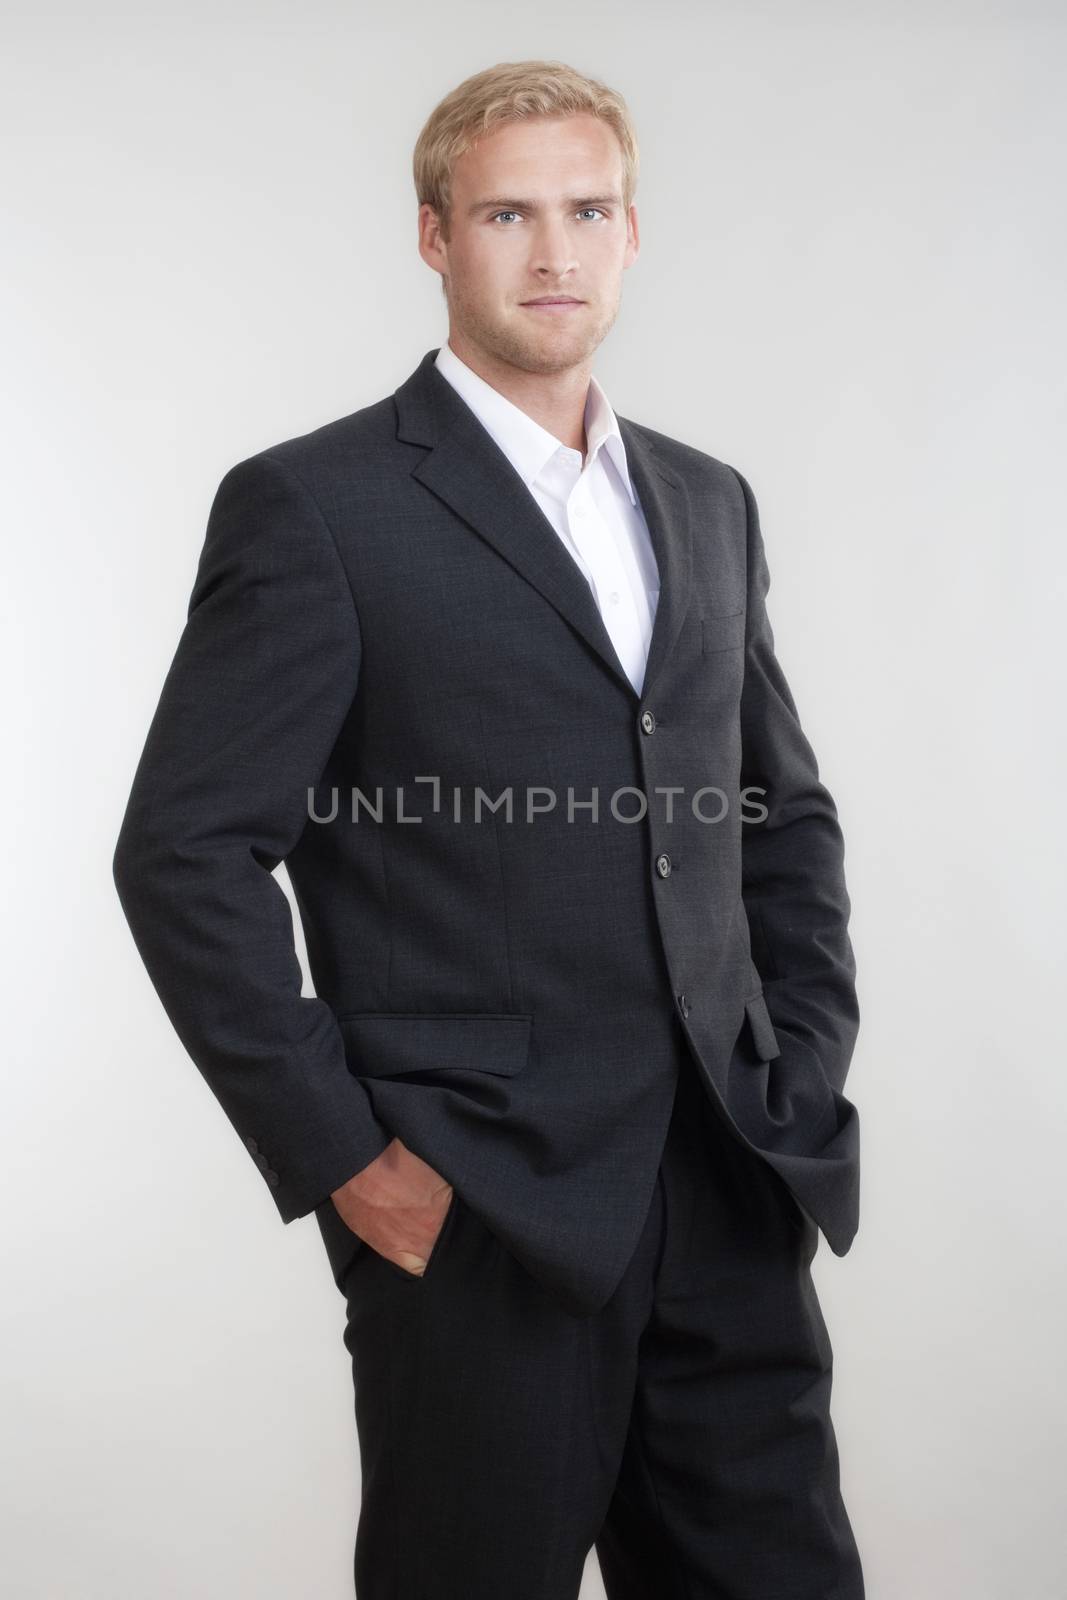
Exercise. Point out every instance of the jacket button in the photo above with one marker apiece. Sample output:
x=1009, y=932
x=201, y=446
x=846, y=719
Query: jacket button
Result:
x=683, y=1004
x=648, y=722
x=272, y=1178
x=251, y=1144
x=663, y=866
x=261, y=1161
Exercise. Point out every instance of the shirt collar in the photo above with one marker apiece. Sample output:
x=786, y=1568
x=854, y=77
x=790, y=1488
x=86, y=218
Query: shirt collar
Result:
x=527, y=445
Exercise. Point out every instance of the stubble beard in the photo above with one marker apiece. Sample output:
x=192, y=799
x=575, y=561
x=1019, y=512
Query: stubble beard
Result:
x=520, y=347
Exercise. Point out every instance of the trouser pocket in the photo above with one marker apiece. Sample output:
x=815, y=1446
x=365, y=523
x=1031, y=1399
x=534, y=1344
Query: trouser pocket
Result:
x=435, y=1248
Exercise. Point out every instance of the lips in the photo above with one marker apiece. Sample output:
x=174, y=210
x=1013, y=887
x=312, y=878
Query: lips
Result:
x=552, y=308
x=554, y=300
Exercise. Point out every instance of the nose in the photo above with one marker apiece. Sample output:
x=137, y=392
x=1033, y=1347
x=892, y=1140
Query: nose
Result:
x=553, y=254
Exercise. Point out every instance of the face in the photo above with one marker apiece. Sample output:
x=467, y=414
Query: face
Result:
x=536, y=212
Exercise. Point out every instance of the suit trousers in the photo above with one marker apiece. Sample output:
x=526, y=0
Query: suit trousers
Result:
x=683, y=1429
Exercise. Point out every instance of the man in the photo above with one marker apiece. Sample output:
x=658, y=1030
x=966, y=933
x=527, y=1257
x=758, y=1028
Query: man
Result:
x=491, y=670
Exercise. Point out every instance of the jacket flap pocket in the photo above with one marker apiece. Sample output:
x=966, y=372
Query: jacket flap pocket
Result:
x=763, y=1034
x=384, y=1044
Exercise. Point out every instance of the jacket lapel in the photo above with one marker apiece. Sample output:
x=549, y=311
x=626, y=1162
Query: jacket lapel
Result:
x=467, y=470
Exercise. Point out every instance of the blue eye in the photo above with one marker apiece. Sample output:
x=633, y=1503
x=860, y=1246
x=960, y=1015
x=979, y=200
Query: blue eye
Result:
x=585, y=211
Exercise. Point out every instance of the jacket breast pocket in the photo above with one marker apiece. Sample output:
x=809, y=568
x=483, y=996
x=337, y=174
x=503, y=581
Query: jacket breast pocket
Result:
x=390, y=1044
x=726, y=632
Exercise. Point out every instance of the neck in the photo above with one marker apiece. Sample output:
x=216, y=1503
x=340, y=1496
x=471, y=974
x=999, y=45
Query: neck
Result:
x=555, y=400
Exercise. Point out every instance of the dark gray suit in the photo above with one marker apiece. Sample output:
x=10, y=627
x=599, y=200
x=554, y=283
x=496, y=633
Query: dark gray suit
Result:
x=381, y=603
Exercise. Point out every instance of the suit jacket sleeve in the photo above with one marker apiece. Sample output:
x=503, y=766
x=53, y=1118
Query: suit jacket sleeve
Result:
x=793, y=880
x=262, y=679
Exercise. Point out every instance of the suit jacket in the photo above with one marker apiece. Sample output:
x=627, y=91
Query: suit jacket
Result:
x=381, y=604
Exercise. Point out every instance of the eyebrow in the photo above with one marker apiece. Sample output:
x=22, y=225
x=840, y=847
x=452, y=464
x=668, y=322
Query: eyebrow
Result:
x=507, y=203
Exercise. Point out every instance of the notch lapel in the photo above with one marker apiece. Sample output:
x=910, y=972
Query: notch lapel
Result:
x=467, y=470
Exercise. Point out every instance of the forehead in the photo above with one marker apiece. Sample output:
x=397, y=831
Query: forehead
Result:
x=536, y=153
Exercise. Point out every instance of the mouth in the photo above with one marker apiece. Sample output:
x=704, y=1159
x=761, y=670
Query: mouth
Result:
x=553, y=303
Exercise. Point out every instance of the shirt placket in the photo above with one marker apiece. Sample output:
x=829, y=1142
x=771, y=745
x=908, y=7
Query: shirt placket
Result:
x=611, y=583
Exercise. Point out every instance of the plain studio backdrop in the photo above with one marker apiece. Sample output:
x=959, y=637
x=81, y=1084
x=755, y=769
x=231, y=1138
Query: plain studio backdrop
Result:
x=850, y=287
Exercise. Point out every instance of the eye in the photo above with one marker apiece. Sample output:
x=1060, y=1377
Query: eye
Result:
x=586, y=211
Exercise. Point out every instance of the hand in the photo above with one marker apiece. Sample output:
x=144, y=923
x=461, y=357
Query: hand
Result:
x=396, y=1205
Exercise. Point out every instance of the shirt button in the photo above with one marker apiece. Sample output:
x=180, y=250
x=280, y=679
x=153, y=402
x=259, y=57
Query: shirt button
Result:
x=663, y=866
x=614, y=597
x=648, y=722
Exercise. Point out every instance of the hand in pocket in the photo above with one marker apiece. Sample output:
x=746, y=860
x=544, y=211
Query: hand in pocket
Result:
x=397, y=1205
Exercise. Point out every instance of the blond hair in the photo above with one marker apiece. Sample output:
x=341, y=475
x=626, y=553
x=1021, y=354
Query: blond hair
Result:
x=505, y=93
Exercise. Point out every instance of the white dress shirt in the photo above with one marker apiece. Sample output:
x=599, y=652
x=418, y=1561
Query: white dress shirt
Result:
x=593, y=508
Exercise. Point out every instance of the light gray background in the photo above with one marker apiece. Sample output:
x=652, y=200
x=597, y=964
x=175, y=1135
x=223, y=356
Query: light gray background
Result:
x=851, y=287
